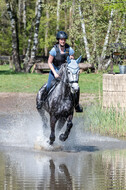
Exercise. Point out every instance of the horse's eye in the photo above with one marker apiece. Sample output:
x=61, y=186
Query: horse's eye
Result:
x=68, y=72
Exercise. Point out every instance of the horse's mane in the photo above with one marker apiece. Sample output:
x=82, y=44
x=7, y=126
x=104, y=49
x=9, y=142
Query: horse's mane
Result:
x=62, y=71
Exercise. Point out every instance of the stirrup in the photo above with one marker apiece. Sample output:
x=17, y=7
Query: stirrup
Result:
x=79, y=108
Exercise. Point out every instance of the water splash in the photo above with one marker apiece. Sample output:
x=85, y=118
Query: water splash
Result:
x=26, y=130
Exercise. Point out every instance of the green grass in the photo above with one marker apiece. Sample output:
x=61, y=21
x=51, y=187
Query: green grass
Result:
x=20, y=82
x=90, y=83
x=109, y=121
x=27, y=82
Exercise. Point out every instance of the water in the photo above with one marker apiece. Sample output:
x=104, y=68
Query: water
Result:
x=84, y=162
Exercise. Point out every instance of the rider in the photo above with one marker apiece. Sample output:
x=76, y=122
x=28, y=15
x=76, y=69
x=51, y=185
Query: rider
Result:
x=57, y=56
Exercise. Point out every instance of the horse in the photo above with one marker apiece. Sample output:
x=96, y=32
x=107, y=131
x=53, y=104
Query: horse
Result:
x=59, y=102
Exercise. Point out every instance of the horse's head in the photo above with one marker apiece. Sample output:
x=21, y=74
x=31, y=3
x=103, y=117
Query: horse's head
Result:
x=73, y=73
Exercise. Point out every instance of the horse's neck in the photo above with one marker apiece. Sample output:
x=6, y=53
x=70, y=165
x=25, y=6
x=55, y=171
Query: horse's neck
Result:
x=65, y=89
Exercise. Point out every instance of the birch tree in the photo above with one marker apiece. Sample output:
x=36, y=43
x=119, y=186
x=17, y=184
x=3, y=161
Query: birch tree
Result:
x=24, y=14
x=15, y=40
x=65, y=15
x=120, y=30
x=58, y=14
x=46, y=29
x=20, y=14
x=35, y=39
x=103, y=54
x=84, y=34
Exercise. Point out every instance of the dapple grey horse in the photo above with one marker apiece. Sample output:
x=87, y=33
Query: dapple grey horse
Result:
x=59, y=102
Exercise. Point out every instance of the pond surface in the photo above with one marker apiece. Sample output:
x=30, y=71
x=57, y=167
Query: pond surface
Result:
x=84, y=162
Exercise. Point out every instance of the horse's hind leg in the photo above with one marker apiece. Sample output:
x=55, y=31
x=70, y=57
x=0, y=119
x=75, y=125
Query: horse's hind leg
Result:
x=65, y=135
x=52, y=125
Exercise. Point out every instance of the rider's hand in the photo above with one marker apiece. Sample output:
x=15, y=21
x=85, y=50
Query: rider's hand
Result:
x=56, y=75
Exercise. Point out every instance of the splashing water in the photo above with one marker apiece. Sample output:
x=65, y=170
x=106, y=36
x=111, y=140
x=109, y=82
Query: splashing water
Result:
x=26, y=130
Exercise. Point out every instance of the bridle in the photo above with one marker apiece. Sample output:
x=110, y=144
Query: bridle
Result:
x=71, y=77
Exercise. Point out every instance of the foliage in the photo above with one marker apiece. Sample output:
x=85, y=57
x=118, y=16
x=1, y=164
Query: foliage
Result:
x=119, y=5
x=5, y=31
x=96, y=15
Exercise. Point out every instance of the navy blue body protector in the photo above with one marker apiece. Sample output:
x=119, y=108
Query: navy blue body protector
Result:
x=58, y=60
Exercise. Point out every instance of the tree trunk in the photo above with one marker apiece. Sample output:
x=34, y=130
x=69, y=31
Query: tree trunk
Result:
x=20, y=13
x=65, y=16
x=35, y=40
x=84, y=35
x=24, y=14
x=24, y=24
x=28, y=51
x=95, y=54
x=120, y=30
x=70, y=18
x=58, y=14
x=46, y=30
x=103, y=54
x=15, y=39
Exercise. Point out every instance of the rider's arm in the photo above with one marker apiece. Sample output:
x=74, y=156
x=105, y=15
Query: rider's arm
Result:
x=50, y=61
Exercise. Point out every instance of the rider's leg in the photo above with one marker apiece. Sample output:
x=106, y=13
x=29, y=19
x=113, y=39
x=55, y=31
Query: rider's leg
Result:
x=78, y=107
x=39, y=99
x=51, y=77
x=44, y=91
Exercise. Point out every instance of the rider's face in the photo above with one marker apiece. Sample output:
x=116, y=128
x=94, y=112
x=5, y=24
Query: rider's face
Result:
x=62, y=41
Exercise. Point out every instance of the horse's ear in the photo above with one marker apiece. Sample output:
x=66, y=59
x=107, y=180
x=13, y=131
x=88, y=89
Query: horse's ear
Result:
x=79, y=59
x=68, y=59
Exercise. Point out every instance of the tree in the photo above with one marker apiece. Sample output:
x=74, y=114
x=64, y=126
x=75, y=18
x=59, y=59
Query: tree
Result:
x=15, y=39
x=103, y=54
x=84, y=35
x=91, y=27
x=35, y=39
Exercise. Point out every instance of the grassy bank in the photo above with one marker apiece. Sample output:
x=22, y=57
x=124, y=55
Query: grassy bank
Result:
x=22, y=82
x=104, y=121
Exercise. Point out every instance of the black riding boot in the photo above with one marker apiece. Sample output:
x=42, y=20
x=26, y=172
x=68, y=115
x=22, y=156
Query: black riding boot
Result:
x=41, y=96
x=78, y=107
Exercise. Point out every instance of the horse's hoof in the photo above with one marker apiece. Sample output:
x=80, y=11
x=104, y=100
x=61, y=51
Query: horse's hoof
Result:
x=50, y=142
x=63, y=137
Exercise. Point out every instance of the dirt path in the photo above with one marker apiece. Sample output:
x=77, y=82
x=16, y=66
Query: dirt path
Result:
x=12, y=102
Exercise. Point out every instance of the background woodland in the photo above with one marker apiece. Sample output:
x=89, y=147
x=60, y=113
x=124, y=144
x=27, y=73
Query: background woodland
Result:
x=29, y=27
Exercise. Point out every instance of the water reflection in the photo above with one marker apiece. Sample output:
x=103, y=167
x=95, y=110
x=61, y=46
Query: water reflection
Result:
x=25, y=169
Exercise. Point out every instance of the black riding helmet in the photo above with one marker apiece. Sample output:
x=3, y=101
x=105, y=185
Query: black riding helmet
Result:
x=61, y=34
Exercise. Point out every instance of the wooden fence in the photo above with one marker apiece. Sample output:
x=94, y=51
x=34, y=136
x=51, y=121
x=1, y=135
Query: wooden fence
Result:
x=41, y=63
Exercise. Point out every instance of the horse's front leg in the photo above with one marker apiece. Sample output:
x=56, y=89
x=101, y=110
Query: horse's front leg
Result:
x=65, y=135
x=52, y=125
